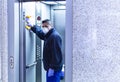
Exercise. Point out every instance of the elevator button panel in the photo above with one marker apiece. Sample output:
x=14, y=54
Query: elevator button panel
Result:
x=38, y=53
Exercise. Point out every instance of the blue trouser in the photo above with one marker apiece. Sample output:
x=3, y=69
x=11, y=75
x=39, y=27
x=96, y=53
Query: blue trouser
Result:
x=55, y=78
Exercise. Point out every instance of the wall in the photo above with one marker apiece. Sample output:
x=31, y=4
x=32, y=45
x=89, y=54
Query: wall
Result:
x=96, y=41
x=3, y=42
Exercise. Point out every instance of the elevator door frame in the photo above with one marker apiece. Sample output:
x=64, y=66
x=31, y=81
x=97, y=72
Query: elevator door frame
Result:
x=22, y=56
x=68, y=41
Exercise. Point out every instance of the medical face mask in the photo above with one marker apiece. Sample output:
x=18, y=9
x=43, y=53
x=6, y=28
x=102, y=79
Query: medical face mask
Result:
x=45, y=30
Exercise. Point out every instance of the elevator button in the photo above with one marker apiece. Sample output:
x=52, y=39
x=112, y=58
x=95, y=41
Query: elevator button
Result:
x=11, y=65
x=11, y=59
x=38, y=18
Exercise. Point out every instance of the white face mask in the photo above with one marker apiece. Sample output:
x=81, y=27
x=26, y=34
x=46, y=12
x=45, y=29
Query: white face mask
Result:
x=45, y=30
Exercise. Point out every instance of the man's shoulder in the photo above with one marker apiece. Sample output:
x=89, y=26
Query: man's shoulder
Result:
x=55, y=34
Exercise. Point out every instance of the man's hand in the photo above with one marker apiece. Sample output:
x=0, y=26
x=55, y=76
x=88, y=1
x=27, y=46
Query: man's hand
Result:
x=50, y=72
x=28, y=22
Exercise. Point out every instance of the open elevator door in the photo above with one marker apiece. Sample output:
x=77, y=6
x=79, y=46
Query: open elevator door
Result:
x=31, y=69
x=30, y=57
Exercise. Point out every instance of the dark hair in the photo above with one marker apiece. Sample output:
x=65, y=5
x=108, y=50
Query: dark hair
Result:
x=46, y=21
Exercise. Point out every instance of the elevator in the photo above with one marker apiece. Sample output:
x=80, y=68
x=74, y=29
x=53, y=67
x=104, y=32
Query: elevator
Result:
x=25, y=59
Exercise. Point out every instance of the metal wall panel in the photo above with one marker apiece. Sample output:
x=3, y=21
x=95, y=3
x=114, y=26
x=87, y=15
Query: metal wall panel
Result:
x=58, y=17
x=11, y=41
x=16, y=41
x=30, y=57
x=59, y=23
x=30, y=44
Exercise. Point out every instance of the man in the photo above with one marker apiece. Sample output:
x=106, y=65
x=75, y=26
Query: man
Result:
x=52, y=53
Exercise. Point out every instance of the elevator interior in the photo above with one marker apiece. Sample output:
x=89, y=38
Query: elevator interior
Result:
x=31, y=67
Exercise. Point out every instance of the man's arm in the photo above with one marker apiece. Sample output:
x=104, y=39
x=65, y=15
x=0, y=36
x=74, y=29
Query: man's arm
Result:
x=38, y=31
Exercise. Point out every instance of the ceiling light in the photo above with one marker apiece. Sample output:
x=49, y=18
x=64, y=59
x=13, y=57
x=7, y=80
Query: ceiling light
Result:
x=49, y=2
x=61, y=2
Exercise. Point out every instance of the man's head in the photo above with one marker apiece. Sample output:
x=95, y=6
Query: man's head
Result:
x=46, y=25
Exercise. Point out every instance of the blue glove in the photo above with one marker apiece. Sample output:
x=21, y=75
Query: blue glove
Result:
x=29, y=21
x=50, y=72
